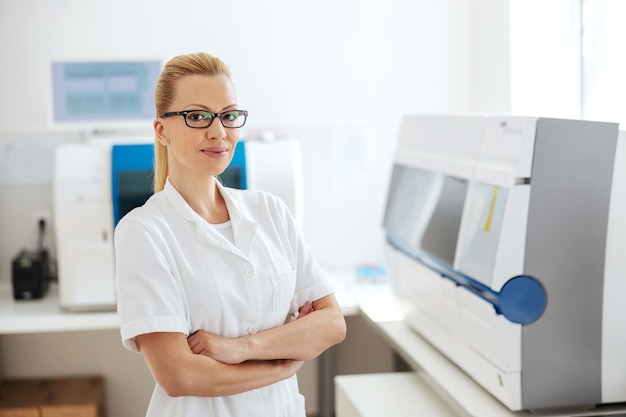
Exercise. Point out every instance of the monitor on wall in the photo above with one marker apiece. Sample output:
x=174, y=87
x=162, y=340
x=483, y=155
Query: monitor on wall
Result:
x=96, y=92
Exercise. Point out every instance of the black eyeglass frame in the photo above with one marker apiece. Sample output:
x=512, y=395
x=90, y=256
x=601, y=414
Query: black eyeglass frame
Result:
x=214, y=116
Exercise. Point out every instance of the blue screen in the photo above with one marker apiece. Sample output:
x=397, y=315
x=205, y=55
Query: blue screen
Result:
x=132, y=172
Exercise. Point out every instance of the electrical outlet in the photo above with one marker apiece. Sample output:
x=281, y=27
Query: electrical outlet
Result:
x=42, y=214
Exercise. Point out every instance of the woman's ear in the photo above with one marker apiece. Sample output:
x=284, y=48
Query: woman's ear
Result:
x=159, y=131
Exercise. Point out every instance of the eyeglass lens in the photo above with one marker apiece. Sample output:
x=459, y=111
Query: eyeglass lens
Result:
x=230, y=119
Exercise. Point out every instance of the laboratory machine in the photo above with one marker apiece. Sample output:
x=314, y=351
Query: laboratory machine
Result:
x=505, y=243
x=98, y=182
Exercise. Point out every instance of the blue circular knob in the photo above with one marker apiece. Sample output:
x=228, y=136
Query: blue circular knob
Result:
x=522, y=299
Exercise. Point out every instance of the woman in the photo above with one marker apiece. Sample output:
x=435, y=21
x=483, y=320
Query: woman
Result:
x=209, y=279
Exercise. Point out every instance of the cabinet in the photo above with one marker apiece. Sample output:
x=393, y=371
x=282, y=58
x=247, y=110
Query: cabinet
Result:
x=388, y=394
x=39, y=340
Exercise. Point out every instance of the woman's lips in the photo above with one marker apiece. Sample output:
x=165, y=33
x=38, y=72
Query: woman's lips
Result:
x=215, y=152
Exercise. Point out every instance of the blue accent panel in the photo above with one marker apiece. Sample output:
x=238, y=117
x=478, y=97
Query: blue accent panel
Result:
x=235, y=175
x=521, y=300
x=239, y=159
x=129, y=159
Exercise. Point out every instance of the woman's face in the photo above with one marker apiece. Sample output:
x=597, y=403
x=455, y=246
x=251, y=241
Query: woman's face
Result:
x=203, y=152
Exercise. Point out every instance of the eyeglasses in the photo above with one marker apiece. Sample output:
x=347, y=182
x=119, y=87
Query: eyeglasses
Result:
x=199, y=119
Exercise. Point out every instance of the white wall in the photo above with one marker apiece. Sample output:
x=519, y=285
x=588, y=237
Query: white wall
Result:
x=311, y=69
x=491, y=57
x=545, y=58
x=526, y=57
x=295, y=63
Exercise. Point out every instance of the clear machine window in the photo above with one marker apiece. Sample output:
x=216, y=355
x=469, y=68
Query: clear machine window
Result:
x=482, y=228
x=423, y=212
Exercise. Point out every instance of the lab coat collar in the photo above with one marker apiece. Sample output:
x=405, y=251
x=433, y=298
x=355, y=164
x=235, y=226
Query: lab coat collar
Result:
x=177, y=201
x=244, y=229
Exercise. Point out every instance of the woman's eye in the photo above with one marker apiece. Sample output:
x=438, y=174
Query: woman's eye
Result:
x=197, y=117
x=230, y=116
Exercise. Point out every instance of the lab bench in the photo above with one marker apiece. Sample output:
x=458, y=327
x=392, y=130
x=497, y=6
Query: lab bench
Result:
x=436, y=387
x=45, y=315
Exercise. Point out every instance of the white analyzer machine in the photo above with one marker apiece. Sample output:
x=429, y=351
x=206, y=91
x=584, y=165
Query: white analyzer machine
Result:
x=505, y=249
x=96, y=183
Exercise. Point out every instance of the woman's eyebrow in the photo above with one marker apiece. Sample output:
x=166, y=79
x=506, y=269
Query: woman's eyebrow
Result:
x=204, y=107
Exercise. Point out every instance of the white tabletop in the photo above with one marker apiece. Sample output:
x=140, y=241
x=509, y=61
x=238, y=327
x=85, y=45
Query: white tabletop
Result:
x=46, y=315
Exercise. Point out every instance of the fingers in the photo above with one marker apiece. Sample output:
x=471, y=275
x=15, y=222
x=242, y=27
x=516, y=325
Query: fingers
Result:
x=305, y=309
x=196, y=342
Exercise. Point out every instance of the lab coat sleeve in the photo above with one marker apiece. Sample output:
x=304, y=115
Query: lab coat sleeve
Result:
x=149, y=296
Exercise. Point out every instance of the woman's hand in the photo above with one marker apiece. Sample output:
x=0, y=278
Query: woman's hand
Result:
x=227, y=350
x=217, y=347
x=305, y=309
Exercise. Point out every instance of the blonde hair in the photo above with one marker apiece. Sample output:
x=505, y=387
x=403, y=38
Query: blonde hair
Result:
x=175, y=69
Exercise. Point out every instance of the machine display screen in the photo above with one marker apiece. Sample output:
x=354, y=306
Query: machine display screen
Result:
x=132, y=173
x=232, y=177
x=423, y=213
x=133, y=189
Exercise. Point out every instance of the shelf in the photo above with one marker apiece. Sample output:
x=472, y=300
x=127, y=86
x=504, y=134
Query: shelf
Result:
x=46, y=315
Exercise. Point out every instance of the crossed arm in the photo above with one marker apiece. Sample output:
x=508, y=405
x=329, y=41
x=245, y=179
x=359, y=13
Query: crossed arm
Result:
x=206, y=364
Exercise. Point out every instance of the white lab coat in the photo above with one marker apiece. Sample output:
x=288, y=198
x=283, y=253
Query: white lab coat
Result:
x=176, y=273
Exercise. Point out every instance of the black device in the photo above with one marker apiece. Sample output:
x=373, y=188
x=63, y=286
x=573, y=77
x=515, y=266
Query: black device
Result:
x=30, y=270
x=30, y=274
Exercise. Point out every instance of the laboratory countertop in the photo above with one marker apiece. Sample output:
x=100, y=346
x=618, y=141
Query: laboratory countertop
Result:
x=455, y=386
x=46, y=315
